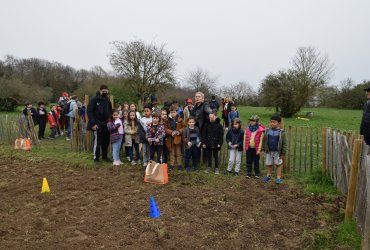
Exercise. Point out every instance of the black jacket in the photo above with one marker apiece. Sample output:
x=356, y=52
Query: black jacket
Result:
x=365, y=122
x=200, y=114
x=213, y=134
x=235, y=136
x=33, y=113
x=98, y=111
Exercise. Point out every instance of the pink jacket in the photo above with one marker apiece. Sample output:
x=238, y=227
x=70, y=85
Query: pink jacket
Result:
x=257, y=138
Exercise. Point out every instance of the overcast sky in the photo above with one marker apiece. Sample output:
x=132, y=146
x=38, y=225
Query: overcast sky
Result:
x=234, y=40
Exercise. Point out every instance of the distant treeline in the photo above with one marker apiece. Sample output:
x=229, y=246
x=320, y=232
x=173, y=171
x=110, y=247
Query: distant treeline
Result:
x=34, y=80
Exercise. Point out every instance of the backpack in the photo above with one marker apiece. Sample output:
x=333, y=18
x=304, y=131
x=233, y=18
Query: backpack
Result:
x=67, y=107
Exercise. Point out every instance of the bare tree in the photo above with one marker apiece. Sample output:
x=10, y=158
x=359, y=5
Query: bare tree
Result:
x=241, y=92
x=200, y=80
x=147, y=67
x=314, y=69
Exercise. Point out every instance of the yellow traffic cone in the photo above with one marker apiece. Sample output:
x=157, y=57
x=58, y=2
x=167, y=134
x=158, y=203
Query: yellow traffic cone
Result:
x=45, y=186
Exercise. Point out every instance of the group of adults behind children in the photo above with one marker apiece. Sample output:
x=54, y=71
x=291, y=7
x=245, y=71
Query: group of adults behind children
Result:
x=164, y=134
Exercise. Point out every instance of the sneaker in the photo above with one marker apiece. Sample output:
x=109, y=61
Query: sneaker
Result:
x=138, y=162
x=266, y=178
x=217, y=171
x=207, y=171
x=188, y=169
x=115, y=163
x=120, y=162
x=68, y=139
x=128, y=158
x=51, y=138
x=61, y=133
x=278, y=181
x=236, y=173
x=145, y=164
x=133, y=163
x=248, y=176
x=257, y=176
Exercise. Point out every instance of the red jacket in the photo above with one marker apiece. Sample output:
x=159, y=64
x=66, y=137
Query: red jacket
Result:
x=51, y=119
x=257, y=138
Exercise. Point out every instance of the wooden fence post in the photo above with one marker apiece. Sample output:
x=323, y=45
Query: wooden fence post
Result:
x=353, y=179
x=324, y=134
x=88, y=133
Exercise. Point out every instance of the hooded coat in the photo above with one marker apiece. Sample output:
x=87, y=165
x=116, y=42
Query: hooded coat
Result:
x=213, y=134
x=98, y=111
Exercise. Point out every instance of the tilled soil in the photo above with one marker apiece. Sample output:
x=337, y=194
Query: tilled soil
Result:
x=102, y=207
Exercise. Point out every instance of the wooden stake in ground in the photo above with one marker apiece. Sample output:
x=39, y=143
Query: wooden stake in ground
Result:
x=324, y=131
x=353, y=179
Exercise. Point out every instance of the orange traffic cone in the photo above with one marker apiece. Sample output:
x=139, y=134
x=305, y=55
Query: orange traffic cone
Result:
x=45, y=186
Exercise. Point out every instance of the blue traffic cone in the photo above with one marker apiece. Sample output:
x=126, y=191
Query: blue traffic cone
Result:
x=154, y=211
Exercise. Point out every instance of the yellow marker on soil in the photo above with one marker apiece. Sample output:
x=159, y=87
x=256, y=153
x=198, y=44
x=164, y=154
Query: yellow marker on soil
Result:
x=45, y=186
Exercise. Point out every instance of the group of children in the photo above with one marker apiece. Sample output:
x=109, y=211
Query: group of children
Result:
x=164, y=135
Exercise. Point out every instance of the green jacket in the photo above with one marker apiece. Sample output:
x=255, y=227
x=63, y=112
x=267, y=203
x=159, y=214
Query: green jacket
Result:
x=283, y=142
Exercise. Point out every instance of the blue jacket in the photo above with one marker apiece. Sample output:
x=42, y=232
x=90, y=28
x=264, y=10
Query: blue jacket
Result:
x=232, y=115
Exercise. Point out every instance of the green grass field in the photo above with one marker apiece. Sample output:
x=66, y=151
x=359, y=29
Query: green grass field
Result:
x=342, y=119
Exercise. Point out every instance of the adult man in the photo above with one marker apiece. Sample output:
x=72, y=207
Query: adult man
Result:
x=98, y=111
x=365, y=122
x=70, y=115
x=214, y=105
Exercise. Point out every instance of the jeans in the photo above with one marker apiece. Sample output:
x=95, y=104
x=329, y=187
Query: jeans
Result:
x=192, y=153
x=146, y=152
x=116, y=146
x=211, y=151
x=235, y=157
x=69, y=124
x=156, y=149
x=131, y=151
x=253, y=158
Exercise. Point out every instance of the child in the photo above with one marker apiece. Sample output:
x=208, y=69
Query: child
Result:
x=125, y=118
x=275, y=145
x=155, y=135
x=131, y=136
x=212, y=139
x=192, y=143
x=254, y=135
x=52, y=122
x=163, y=120
x=234, y=139
x=145, y=122
x=174, y=128
x=42, y=119
x=115, y=128
x=234, y=113
x=178, y=109
x=134, y=108
x=187, y=110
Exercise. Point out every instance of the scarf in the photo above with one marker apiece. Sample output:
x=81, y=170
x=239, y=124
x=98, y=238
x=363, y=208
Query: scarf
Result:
x=253, y=128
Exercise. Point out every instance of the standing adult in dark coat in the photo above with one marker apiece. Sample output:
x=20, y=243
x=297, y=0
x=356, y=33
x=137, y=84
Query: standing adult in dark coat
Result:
x=365, y=122
x=42, y=116
x=98, y=112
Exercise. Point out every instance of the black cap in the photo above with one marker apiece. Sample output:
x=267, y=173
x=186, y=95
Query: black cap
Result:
x=276, y=118
x=367, y=89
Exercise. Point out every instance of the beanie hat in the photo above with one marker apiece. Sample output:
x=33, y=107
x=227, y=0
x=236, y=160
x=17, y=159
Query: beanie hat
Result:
x=276, y=118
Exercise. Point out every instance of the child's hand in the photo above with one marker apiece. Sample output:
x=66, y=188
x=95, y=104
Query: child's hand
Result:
x=204, y=145
x=189, y=144
x=218, y=146
x=156, y=140
x=235, y=146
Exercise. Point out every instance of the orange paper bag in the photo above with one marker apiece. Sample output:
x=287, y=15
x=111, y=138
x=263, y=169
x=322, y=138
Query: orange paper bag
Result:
x=156, y=173
x=21, y=143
